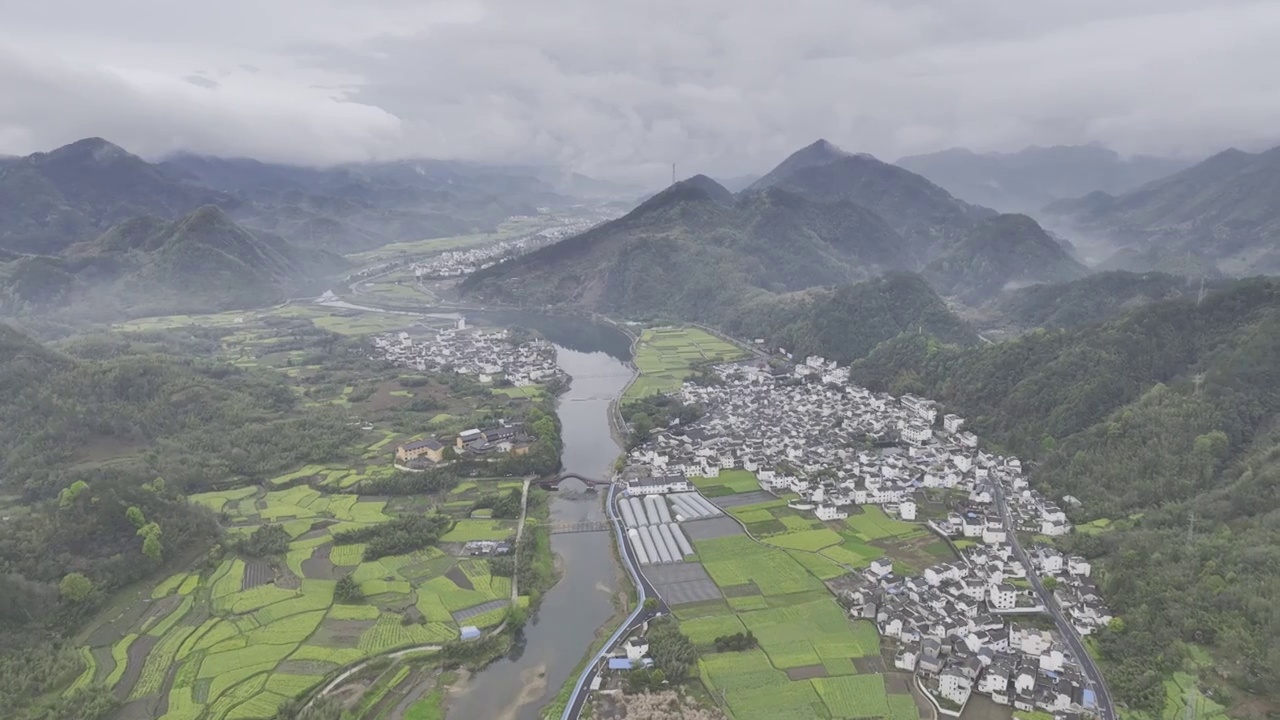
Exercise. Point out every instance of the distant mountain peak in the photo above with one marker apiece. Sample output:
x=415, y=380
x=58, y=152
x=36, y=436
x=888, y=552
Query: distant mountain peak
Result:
x=93, y=149
x=698, y=188
x=820, y=152
x=823, y=146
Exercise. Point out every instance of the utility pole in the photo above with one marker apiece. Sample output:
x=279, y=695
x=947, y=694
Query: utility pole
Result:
x=673, y=173
x=1191, y=528
x=1200, y=298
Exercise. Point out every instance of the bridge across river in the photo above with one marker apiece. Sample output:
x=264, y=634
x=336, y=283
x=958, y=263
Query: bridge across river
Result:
x=554, y=483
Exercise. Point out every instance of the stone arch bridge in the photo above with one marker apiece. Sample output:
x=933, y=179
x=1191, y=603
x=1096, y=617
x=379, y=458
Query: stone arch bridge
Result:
x=554, y=483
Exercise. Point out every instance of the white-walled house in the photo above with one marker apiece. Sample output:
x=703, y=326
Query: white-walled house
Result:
x=830, y=512
x=659, y=485
x=907, y=510
x=955, y=686
x=1003, y=596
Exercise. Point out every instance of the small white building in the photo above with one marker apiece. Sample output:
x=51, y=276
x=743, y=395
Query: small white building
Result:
x=906, y=659
x=907, y=510
x=830, y=512
x=993, y=533
x=637, y=648
x=1003, y=596
x=952, y=423
x=1077, y=565
x=917, y=434
x=659, y=485
x=882, y=567
x=954, y=686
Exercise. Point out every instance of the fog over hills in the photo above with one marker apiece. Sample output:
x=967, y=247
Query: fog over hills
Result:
x=1027, y=180
x=1217, y=216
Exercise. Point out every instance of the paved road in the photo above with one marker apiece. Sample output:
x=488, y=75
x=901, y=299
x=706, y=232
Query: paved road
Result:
x=638, y=617
x=1106, y=707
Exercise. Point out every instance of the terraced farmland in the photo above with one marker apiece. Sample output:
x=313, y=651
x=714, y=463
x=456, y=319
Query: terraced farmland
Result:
x=235, y=641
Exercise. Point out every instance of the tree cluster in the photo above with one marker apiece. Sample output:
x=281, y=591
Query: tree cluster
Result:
x=397, y=537
x=672, y=651
x=265, y=541
x=736, y=642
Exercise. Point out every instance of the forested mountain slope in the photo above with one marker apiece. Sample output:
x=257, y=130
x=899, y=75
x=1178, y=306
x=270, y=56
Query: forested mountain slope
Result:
x=1000, y=252
x=926, y=216
x=695, y=252
x=847, y=322
x=1089, y=300
x=1166, y=411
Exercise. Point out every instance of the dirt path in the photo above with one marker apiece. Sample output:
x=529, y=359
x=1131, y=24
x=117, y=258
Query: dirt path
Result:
x=524, y=511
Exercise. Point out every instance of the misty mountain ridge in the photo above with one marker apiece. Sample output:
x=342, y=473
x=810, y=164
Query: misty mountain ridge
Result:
x=695, y=247
x=1218, y=216
x=202, y=261
x=926, y=215
x=1027, y=180
x=822, y=217
x=52, y=200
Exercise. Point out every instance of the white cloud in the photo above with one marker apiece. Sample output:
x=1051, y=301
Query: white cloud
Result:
x=624, y=89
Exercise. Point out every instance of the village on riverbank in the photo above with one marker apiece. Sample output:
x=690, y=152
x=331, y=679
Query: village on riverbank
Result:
x=790, y=471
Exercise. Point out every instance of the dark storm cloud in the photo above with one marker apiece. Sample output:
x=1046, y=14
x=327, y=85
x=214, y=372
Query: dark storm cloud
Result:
x=623, y=89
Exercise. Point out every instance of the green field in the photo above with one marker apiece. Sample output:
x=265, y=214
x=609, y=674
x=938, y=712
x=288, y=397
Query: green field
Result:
x=800, y=629
x=737, y=560
x=249, y=634
x=873, y=524
x=665, y=356
x=729, y=482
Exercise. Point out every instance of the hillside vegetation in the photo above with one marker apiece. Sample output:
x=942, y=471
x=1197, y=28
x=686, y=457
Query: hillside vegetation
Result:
x=1163, y=412
x=1006, y=250
x=1089, y=300
x=846, y=323
x=696, y=250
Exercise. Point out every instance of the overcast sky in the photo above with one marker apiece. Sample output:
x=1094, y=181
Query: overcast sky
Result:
x=622, y=88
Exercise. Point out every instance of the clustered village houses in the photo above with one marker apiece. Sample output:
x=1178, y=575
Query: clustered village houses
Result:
x=491, y=357
x=806, y=430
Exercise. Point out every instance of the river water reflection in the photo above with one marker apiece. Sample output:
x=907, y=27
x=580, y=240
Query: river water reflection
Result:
x=563, y=629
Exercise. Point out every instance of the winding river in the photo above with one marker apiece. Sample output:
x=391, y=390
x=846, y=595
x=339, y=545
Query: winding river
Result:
x=558, y=636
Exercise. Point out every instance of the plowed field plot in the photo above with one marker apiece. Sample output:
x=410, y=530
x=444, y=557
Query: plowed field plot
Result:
x=257, y=572
x=725, y=502
x=462, y=616
x=318, y=566
x=710, y=528
x=138, y=652
x=681, y=583
x=340, y=633
x=459, y=578
x=806, y=672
